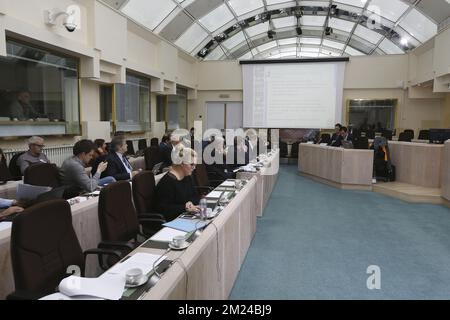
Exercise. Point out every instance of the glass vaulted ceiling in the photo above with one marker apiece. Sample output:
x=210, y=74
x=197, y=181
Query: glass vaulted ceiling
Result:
x=274, y=29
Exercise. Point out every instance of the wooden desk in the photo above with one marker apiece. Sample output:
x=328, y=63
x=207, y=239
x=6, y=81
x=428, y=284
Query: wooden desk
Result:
x=213, y=261
x=87, y=227
x=266, y=180
x=417, y=163
x=342, y=168
x=9, y=190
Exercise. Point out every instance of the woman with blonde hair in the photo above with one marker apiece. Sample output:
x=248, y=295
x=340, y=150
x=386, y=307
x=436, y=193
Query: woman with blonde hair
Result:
x=176, y=193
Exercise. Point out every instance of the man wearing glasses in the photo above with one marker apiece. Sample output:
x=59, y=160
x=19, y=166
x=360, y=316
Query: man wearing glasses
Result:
x=34, y=154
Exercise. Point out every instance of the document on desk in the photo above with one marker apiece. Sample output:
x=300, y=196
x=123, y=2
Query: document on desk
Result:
x=167, y=235
x=109, y=287
x=217, y=194
x=186, y=225
x=144, y=261
x=228, y=184
x=5, y=226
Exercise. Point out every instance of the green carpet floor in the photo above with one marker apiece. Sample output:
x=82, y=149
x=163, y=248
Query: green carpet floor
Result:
x=316, y=242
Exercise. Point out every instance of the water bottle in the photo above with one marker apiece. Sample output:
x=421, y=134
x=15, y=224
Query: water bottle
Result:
x=203, y=209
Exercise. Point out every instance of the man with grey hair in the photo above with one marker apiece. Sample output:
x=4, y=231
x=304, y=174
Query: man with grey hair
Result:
x=34, y=155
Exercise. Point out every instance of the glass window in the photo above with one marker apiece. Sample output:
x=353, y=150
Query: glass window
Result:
x=39, y=92
x=106, y=103
x=161, y=105
x=234, y=41
x=284, y=22
x=133, y=104
x=377, y=115
x=191, y=38
x=177, y=110
x=149, y=13
x=217, y=18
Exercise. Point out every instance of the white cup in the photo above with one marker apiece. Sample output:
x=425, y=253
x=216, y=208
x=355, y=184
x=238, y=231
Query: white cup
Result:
x=133, y=276
x=178, y=241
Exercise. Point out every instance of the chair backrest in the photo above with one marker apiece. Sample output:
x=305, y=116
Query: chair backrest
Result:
x=142, y=144
x=201, y=176
x=424, y=135
x=43, y=246
x=143, y=191
x=130, y=148
x=154, y=142
x=361, y=143
x=387, y=134
x=14, y=167
x=325, y=138
x=5, y=175
x=116, y=213
x=43, y=175
x=152, y=156
x=283, y=149
x=409, y=133
x=405, y=137
x=295, y=149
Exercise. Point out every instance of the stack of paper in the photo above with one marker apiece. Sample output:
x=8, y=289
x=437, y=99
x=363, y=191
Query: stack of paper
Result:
x=217, y=194
x=167, y=235
x=228, y=184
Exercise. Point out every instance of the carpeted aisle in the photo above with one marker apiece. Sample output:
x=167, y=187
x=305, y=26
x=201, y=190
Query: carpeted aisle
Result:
x=316, y=242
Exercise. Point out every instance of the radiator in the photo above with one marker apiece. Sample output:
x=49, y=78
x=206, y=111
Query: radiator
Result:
x=56, y=154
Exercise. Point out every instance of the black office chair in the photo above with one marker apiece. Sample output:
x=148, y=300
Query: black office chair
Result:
x=424, y=135
x=142, y=144
x=43, y=246
x=361, y=142
x=283, y=149
x=203, y=184
x=387, y=134
x=5, y=175
x=130, y=151
x=404, y=137
x=14, y=167
x=409, y=133
x=154, y=142
x=325, y=138
x=119, y=222
x=295, y=150
x=43, y=175
x=153, y=156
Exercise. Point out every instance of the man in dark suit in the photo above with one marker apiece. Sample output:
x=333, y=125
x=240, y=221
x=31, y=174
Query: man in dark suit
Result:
x=336, y=134
x=118, y=165
x=166, y=149
x=343, y=136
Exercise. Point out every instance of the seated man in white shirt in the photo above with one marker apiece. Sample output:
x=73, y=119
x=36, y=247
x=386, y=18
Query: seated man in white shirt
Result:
x=118, y=165
x=11, y=207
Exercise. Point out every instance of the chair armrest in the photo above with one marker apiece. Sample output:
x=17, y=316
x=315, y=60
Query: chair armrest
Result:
x=207, y=189
x=151, y=216
x=116, y=244
x=108, y=252
x=25, y=296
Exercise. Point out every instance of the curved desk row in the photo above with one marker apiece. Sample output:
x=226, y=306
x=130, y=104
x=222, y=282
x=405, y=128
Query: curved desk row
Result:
x=86, y=225
x=266, y=179
x=342, y=168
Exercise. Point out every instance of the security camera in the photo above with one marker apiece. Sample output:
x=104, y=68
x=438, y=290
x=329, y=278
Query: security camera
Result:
x=70, y=18
x=70, y=22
